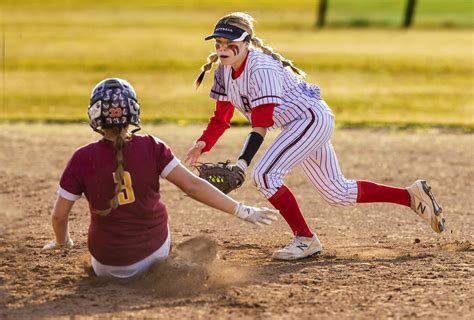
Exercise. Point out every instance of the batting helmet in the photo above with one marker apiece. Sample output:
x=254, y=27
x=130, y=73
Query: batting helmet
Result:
x=113, y=102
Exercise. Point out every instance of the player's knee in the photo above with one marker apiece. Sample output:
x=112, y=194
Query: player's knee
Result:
x=258, y=177
x=266, y=180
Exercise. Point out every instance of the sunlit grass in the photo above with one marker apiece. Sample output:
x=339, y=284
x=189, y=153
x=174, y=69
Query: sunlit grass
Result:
x=56, y=53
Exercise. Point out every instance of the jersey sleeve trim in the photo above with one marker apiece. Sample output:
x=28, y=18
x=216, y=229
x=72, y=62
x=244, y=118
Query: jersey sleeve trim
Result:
x=265, y=87
x=218, y=89
x=265, y=97
x=218, y=96
x=219, y=84
x=169, y=167
x=276, y=100
x=216, y=93
x=67, y=195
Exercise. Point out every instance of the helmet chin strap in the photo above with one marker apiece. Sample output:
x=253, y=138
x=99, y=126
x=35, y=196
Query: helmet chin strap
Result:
x=97, y=130
x=101, y=131
x=137, y=129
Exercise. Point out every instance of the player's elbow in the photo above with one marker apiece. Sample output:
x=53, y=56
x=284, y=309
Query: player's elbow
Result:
x=260, y=130
x=193, y=186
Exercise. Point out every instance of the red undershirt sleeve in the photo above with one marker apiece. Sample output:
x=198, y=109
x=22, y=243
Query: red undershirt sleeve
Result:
x=219, y=123
x=262, y=115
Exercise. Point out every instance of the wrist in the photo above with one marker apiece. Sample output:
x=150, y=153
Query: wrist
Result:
x=240, y=211
x=200, y=144
x=236, y=209
x=67, y=243
x=62, y=241
x=53, y=244
x=242, y=164
x=252, y=144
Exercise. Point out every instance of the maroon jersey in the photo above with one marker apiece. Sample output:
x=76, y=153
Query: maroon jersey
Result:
x=138, y=226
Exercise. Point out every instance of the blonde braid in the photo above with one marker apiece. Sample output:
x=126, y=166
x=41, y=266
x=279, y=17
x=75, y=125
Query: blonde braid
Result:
x=123, y=136
x=258, y=43
x=119, y=144
x=211, y=59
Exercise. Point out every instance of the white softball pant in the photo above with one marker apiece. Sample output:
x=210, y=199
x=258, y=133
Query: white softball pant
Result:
x=306, y=142
x=134, y=270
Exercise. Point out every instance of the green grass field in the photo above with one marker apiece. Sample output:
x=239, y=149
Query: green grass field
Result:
x=55, y=52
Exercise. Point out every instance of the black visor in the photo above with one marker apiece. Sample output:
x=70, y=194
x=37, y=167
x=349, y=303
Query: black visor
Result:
x=230, y=32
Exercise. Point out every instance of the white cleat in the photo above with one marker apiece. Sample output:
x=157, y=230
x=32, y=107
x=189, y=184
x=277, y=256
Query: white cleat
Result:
x=299, y=248
x=425, y=205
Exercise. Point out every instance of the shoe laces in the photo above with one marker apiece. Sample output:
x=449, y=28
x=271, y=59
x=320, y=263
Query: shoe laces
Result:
x=295, y=242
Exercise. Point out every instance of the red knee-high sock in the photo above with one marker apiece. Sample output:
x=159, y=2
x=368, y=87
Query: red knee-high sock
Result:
x=369, y=191
x=285, y=201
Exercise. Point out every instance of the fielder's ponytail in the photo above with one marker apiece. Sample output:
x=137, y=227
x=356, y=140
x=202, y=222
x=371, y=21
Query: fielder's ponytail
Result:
x=245, y=21
x=258, y=43
x=211, y=59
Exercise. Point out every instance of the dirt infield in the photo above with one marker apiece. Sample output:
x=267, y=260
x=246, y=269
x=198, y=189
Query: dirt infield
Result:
x=379, y=260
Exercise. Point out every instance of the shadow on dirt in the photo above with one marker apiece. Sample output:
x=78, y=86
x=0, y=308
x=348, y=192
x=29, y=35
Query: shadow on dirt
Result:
x=189, y=276
x=193, y=269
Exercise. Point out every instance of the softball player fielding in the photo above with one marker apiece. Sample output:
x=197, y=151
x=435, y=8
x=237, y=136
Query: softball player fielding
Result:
x=269, y=91
x=119, y=175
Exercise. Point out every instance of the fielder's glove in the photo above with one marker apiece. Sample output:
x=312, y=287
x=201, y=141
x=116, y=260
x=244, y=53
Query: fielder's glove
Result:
x=255, y=215
x=51, y=245
x=222, y=175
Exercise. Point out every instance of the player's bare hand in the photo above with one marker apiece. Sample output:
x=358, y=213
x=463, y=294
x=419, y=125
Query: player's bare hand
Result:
x=193, y=153
x=51, y=245
x=256, y=215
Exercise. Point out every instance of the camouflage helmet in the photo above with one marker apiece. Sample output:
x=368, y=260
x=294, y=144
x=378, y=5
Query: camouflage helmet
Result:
x=113, y=102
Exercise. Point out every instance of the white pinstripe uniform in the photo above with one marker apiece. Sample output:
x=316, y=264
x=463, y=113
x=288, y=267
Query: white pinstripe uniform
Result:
x=306, y=121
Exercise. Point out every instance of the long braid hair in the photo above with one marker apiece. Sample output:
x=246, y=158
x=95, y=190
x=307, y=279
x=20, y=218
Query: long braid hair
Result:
x=245, y=21
x=123, y=136
x=258, y=43
x=211, y=59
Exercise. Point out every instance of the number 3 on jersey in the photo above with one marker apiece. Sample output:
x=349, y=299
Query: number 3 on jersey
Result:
x=126, y=195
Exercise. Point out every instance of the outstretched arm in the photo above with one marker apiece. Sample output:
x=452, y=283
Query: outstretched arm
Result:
x=206, y=193
x=219, y=123
x=60, y=222
x=200, y=190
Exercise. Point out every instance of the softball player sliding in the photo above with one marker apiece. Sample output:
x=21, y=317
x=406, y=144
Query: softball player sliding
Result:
x=119, y=175
x=270, y=93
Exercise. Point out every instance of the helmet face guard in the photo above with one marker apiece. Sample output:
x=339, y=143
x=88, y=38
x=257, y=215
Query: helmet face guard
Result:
x=113, y=103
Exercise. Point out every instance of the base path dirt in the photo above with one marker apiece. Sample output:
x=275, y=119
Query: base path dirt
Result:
x=378, y=260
